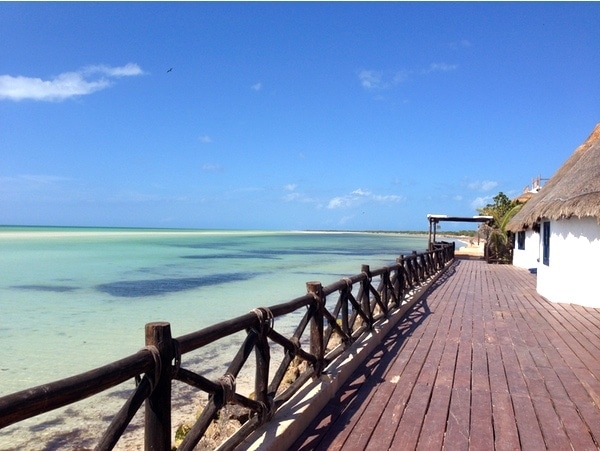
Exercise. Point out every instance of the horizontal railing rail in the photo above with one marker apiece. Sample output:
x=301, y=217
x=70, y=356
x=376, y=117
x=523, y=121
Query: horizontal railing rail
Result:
x=361, y=301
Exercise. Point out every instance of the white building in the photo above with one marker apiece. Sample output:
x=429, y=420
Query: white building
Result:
x=526, y=253
x=559, y=229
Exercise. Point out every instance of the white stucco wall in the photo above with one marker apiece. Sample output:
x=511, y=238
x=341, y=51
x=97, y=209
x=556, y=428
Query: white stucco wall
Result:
x=527, y=258
x=573, y=273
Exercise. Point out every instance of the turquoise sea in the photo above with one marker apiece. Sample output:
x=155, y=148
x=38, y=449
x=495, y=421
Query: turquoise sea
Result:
x=72, y=299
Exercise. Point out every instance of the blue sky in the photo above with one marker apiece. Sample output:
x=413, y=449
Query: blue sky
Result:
x=357, y=116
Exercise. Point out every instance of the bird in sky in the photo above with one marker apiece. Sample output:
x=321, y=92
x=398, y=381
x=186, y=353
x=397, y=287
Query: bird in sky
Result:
x=170, y=70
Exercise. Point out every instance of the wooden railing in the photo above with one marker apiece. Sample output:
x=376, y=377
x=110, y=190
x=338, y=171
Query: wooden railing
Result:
x=362, y=301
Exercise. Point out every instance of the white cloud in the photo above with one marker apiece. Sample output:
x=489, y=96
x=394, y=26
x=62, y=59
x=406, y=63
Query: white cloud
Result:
x=480, y=202
x=210, y=167
x=42, y=179
x=128, y=70
x=205, y=139
x=370, y=79
x=293, y=196
x=379, y=80
x=31, y=181
x=256, y=86
x=388, y=198
x=484, y=185
x=339, y=202
x=66, y=85
x=440, y=67
x=360, y=196
x=488, y=185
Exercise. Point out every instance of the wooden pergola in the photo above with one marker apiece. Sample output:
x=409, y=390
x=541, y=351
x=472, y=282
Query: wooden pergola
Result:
x=434, y=220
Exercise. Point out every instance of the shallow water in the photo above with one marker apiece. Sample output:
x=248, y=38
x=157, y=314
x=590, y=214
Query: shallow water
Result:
x=74, y=299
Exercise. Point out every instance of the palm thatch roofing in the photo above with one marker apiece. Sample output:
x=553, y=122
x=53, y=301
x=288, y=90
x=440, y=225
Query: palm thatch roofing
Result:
x=524, y=197
x=574, y=191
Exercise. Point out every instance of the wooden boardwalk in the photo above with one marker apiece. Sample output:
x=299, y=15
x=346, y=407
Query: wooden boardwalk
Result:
x=483, y=363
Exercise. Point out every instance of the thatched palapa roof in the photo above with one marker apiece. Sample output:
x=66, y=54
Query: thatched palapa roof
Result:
x=574, y=191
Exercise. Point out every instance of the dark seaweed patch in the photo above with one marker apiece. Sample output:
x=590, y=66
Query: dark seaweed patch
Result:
x=276, y=254
x=141, y=288
x=53, y=288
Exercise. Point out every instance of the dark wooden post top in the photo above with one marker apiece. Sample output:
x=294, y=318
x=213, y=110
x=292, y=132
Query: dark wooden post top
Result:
x=317, y=347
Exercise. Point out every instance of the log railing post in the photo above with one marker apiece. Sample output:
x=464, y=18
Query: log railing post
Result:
x=408, y=272
x=365, y=290
x=401, y=278
x=263, y=361
x=317, y=347
x=418, y=268
x=385, y=290
x=346, y=293
x=431, y=264
x=157, y=433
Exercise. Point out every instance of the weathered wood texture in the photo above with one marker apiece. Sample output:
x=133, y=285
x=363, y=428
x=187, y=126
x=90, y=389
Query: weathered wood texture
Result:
x=483, y=363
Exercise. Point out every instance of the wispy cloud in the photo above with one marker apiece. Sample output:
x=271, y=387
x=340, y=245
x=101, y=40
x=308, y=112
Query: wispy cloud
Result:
x=211, y=167
x=205, y=139
x=480, y=202
x=373, y=79
x=370, y=79
x=256, y=86
x=463, y=43
x=291, y=195
x=31, y=181
x=345, y=219
x=360, y=196
x=485, y=185
x=400, y=76
x=128, y=70
x=440, y=67
x=85, y=81
x=38, y=187
x=380, y=80
x=38, y=178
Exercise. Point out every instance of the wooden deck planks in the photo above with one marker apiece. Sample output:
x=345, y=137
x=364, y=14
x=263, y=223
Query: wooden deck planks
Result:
x=484, y=363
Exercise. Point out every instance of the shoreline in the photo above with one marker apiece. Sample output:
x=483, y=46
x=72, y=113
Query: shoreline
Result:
x=27, y=232
x=10, y=232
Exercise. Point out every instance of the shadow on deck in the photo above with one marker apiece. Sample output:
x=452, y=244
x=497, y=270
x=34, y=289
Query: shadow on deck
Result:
x=483, y=363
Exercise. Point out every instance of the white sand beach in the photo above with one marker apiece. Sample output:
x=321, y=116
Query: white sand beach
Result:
x=473, y=247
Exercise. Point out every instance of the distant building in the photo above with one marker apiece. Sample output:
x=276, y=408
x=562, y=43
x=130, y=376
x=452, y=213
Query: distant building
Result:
x=526, y=250
x=558, y=230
